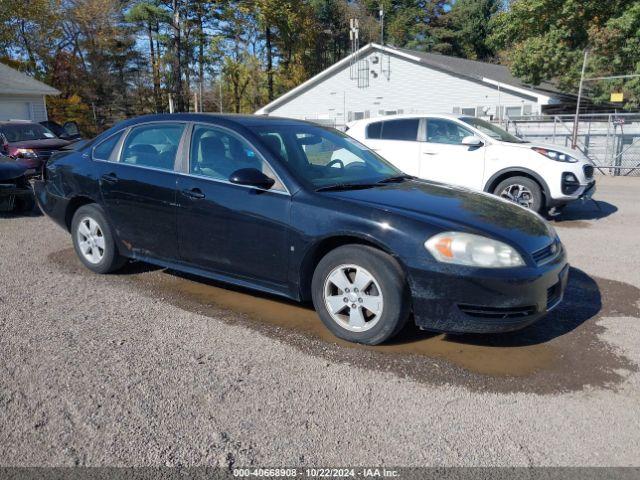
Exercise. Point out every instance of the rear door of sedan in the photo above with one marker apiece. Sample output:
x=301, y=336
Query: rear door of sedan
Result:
x=139, y=189
x=396, y=141
x=232, y=229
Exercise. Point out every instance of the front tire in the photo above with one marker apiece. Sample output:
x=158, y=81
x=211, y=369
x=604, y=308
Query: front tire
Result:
x=360, y=294
x=93, y=240
x=523, y=191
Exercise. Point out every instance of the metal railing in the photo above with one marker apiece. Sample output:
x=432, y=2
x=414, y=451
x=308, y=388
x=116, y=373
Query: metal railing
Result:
x=611, y=141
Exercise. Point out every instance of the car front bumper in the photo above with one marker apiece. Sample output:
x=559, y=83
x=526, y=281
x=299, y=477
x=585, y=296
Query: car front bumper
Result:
x=463, y=300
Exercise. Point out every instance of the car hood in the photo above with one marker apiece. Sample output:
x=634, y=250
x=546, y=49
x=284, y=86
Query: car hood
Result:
x=550, y=146
x=48, y=143
x=457, y=208
x=10, y=169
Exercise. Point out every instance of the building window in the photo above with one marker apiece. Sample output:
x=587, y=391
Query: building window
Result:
x=514, y=112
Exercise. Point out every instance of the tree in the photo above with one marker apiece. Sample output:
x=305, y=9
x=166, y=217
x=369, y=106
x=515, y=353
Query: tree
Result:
x=148, y=16
x=465, y=30
x=544, y=40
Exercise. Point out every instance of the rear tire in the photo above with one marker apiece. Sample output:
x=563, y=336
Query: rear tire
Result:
x=523, y=191
x=360, y=294
x=93, y=240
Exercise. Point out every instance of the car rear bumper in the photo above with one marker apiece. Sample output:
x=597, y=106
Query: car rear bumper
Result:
x=489, y=301
x=52, y=205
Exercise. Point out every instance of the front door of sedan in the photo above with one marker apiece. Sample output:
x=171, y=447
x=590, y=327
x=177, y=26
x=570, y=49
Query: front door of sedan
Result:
x=227, y=228
x=445, y=159
x=139, y=191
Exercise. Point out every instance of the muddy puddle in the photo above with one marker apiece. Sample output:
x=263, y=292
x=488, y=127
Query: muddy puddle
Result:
x=562, y=352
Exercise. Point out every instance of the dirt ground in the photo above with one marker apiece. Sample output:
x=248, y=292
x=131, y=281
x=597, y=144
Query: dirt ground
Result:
x=152, y=367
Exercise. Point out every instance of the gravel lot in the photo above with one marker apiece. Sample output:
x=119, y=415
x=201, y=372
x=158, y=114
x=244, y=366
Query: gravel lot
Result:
x=149, y=367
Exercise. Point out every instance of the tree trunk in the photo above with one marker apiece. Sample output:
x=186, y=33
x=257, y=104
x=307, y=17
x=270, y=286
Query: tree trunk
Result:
x=201, y=41
x=154, y=72
x=269, y=62
x=177, y=57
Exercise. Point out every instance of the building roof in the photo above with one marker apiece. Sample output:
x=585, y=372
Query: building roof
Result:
x=478, y=70
x=488, y=73
x=17, y=83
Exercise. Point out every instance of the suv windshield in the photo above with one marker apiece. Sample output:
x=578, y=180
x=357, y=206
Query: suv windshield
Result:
x=491, y=130
x=323, y=157
x=25, y=132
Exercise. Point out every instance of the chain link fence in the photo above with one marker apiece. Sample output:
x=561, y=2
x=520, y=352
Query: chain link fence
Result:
x=611, y=141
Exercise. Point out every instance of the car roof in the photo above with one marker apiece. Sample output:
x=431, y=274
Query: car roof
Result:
x=238, y=119
x=365, y=121
x=17, y=122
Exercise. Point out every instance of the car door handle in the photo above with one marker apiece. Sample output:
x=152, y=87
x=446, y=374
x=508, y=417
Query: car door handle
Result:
x=195, y=193
x=110, y=177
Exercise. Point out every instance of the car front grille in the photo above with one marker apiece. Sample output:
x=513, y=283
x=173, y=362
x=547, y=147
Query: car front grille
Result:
x=588, y=171
x=44, y=154
x=546, y=254
x=554, y=294
x=497, y=312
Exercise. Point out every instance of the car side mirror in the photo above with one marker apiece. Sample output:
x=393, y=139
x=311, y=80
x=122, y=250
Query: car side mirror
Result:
x=472, y=141
x=252, y=177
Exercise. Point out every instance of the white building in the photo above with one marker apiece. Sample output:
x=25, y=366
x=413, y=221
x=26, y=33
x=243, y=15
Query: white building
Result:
x=380, y=80
x=22, y=97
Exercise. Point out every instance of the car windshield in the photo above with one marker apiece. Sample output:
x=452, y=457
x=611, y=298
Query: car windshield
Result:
x=25, y=132
x=323, y=157
x=491, y=130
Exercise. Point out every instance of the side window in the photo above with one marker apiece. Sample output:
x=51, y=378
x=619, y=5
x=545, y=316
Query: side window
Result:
x=445, y=131
x=103, y=150
x=374, y=130
x=154, y=145
x=216, y=153
x=405, y=129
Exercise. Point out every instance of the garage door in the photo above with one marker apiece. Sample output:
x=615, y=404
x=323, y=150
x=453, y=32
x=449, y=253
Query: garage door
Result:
x=14, y=110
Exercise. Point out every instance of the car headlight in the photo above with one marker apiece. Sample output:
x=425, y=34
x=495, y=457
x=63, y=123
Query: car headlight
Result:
x=26, y=153
x=472, y=250
x=555, y=155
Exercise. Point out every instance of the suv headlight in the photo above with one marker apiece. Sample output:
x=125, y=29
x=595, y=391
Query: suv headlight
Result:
x=472, y=250
x=555, y=155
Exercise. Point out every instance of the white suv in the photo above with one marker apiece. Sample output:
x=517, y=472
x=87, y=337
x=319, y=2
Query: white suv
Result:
x=473, y=153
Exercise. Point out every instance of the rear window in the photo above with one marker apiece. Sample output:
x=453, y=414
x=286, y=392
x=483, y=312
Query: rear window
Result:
x=404, y=129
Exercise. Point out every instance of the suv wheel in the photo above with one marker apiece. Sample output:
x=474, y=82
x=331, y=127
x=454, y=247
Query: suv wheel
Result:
x=360, y=294
x=93, y=240
x=523, y=191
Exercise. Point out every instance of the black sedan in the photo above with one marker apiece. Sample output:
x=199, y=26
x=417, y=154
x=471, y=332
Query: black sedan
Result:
x=306, y=212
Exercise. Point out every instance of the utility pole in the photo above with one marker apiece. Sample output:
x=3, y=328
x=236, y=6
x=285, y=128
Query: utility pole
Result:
x=381, y=25
x=576, y=119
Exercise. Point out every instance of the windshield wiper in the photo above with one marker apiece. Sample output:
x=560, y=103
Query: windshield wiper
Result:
x=345, y=186
x=397, y=178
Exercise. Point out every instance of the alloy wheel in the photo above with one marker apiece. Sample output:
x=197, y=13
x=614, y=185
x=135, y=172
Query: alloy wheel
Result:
x=518, y=194
x=91, y=240
x=353, y=298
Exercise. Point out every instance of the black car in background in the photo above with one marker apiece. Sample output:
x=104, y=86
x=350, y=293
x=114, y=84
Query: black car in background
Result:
x=69, y=131
x=269, y=204
x=16, y=193
x=30, y=142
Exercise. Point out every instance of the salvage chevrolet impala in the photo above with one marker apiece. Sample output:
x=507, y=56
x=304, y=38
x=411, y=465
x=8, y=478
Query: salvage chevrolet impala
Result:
x=268, y=204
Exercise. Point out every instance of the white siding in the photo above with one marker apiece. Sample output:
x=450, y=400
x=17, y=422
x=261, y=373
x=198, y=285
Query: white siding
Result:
x=411, y=88
x=23, y=107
